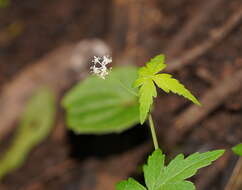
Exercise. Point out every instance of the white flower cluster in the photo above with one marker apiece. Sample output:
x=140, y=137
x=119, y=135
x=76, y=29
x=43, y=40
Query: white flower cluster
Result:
x=99, y=67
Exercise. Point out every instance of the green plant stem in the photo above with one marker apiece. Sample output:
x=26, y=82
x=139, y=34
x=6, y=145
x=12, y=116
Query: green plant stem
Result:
x=152, y=129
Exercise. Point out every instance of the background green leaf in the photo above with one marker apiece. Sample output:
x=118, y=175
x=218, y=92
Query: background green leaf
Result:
x=96, y=106
x=4, y=3
x=238, y=149
x=35, y=125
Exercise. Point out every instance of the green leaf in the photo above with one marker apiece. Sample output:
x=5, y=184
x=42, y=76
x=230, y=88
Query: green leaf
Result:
x=154, y=66
x=172, y=177
x=130, y=184
x=4, y=3
x=181, y=185
x=96, y=106
x=180, y=169
x=35, y=125
x=145, y=81
x=238, y=149
x=167, y=83
x=146, y=94
x=154, y=168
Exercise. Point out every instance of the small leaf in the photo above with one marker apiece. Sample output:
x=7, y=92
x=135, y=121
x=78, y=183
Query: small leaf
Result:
x=130, y=184
x=146, y=93
x=138, y=82
x=96, y=106
x=35, y=125
x=167, y=83
x=145, y=82
x=156, y=64
x=154, y=168
x=238, y=149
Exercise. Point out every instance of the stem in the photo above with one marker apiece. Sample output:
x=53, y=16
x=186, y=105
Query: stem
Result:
x=235, y=179
x=152, y=129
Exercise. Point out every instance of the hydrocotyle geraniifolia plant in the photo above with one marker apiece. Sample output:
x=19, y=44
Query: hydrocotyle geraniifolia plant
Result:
x=173, y=176
x=148, y=78
x=157, y=175
x=112, y=105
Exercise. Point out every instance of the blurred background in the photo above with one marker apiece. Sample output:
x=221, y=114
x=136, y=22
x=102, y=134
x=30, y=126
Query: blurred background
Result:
x=51, y=42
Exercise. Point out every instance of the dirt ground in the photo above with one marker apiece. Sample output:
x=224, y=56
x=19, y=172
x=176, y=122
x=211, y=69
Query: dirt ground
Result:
x=202, y=41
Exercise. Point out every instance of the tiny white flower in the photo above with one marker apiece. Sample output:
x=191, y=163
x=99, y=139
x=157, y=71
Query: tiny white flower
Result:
x=99, y=67
x=96, y=60
x=107, y=60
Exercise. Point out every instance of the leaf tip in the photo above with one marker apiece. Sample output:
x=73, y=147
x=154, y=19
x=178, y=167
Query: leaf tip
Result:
x=219, y=152
x=142, y=121
x=198, y=103
x=237, y=149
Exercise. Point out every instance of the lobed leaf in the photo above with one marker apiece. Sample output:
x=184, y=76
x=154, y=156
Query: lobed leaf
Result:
x=148, y=75
x=180, y=169
x=172, y=177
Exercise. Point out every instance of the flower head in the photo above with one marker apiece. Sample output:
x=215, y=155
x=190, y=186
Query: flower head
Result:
x=99, y=67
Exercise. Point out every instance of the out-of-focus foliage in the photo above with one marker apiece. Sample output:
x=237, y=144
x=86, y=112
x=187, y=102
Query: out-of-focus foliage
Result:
x=238, y=149
x=11, y=32
x=4, y=3
x=96, y=106
x=35, y=125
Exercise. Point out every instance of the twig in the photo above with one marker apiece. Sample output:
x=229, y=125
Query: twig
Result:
x=235, y=181
x=119, y=21
x=213, y=98
x=49, y=173
x=199, y=50
x=189, y=29
x=207, y=76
